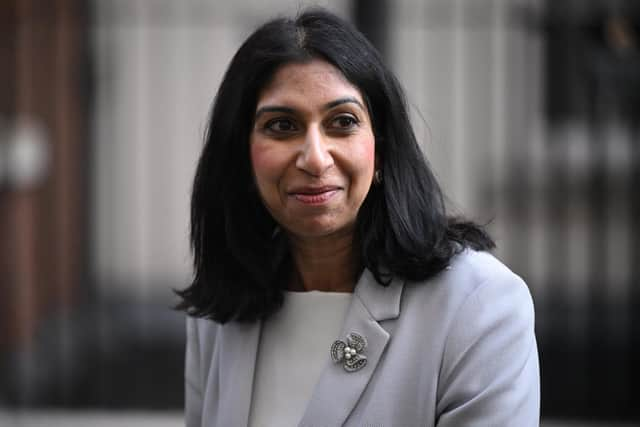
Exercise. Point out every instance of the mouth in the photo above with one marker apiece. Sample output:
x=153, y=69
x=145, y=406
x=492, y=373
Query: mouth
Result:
x=314, y=195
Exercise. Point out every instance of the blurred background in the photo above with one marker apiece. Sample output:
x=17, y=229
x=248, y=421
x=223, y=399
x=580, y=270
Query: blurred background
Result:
x=529, y=111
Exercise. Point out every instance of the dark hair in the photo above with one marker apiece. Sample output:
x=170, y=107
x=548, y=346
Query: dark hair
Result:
x=241, y=263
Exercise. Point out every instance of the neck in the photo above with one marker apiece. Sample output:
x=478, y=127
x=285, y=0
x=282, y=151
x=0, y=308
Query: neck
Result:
x=327, y=265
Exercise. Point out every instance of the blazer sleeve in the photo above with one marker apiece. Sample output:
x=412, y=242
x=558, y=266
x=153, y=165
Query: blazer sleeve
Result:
x=193, y=376
x=490, y=372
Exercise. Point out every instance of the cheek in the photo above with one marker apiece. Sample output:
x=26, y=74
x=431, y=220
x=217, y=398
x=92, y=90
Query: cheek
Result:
x=263, y=162
x=371, y=153
x=365, y=151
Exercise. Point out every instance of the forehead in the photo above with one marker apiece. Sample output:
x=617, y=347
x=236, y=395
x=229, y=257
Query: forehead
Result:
x=313, y=80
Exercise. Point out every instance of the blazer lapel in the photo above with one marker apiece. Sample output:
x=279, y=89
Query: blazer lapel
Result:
x=338, y=391
x=238, y=351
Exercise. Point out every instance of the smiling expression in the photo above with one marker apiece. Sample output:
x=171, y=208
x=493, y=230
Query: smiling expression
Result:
x=312, y=150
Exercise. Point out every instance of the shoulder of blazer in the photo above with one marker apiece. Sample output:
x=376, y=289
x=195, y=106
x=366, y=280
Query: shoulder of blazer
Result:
x=475, y=284
x=466, y=273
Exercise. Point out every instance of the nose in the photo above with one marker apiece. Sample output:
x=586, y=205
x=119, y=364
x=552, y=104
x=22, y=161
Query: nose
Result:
x=314, y=157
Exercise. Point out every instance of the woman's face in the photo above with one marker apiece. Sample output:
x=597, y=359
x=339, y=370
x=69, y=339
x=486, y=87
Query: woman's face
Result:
x=312, y=150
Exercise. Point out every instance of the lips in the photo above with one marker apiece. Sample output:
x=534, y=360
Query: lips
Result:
x=314, y=195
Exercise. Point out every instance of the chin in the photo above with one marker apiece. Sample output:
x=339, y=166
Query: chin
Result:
x=320, y=229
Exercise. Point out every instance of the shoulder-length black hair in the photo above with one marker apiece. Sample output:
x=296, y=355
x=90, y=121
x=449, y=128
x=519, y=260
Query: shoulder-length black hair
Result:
x=241, y=263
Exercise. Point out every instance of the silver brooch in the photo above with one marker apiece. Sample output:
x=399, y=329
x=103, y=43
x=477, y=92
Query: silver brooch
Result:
x=350, y=352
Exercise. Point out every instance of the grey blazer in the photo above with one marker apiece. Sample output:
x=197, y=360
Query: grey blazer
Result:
x=457, y=350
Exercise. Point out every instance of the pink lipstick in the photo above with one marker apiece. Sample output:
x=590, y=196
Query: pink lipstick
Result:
x=314, y=196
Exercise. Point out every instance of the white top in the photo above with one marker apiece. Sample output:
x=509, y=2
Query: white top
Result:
x=293, y=350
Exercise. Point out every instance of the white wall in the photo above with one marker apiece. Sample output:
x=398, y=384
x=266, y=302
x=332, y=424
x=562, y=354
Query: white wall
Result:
x=466, y=65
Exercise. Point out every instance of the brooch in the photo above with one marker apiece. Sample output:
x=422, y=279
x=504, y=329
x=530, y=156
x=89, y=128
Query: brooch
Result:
x=350, y=352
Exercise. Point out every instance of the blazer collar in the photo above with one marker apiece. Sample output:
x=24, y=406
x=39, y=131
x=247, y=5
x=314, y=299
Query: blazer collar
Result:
x=381, y=302
x=337, y=391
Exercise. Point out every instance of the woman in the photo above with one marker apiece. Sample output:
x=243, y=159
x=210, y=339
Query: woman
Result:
x=330, y=287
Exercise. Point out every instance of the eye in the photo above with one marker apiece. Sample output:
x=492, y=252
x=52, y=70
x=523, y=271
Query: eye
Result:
x=344, y=122
x=280, y=125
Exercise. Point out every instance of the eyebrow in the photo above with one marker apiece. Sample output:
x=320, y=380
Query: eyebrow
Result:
x=348, y=99
x=289, y=110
